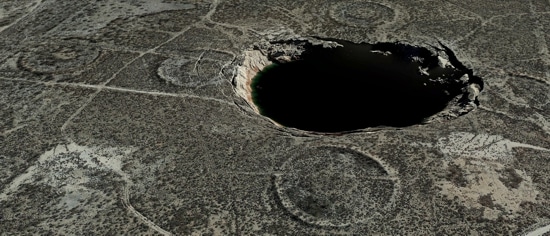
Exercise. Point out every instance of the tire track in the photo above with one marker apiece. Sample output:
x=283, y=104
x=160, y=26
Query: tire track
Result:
x=126, y=202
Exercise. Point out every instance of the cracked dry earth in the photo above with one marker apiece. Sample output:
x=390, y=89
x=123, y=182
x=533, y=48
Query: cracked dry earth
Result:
x=123, y=117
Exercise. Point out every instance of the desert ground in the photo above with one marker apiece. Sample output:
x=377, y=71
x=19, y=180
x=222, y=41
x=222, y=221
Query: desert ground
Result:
x=133, y=117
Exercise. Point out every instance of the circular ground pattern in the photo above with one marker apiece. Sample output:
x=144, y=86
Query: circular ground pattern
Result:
x=190, y=72
x=335, y=187
x=179, y=71
x=59, y=57
x=362, y=14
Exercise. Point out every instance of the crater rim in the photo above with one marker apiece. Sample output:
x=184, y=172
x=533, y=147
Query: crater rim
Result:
x=276, y=52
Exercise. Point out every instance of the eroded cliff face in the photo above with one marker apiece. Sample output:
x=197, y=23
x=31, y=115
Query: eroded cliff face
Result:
x=282, y=48
x=254, y=61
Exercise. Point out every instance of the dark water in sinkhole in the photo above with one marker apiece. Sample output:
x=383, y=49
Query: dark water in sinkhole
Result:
x=351, y=87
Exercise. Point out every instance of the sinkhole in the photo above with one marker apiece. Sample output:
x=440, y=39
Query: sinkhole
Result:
x=330, y=86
